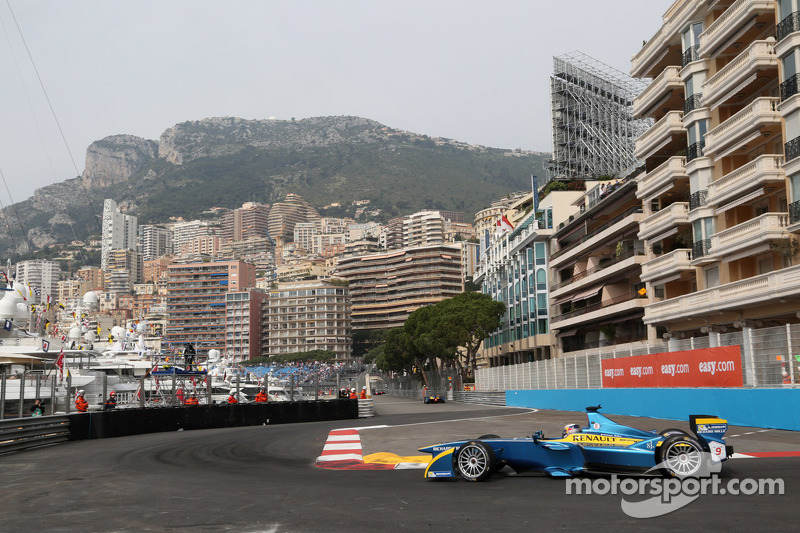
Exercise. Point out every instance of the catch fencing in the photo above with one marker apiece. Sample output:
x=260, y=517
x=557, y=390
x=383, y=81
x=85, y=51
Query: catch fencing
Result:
x=769, y=359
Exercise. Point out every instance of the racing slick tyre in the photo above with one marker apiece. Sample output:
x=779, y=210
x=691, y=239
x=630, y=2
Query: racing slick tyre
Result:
x=681, y=456
x=488, y=436
x=475, y=461
x=672, y=431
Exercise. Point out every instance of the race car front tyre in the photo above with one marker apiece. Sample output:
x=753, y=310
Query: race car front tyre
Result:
x=488, y=436
x=475, y=461
x=681, y=456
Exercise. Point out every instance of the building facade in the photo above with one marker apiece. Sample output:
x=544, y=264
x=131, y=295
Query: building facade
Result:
x=196, y=299
x=720, y=193
x=119, y=231
x=387, y=287
x=310, y=315
x=244, y=337
x=40, y=274
x=154, y=242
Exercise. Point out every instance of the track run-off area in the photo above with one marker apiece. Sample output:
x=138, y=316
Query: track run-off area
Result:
x=360, y=475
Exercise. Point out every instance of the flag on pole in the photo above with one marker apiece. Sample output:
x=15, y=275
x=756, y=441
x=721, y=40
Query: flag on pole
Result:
x=7, y=325
x=535, y=186
x=504, y=225
x=45, y=346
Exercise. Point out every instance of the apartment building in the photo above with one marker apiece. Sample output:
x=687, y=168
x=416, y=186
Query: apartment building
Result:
x=243, y=326
x=387, y=287
x=248, y=222
x=196, y=300
x=597, y=296
x=154, y=242
x=722, y=183
x=310, y=315
x=118, y=231
x=284, y=215
x=423, y=228
x=40, y=274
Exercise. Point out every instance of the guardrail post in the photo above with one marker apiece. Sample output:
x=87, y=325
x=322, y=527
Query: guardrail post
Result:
x=68, y=401
x=105, y=389
x=53, y=395
x=316, y=385
x=38, y=386
x=3, y=396
x=141, y=392
x=789, y=352
x=21, y=392
x=291, y=387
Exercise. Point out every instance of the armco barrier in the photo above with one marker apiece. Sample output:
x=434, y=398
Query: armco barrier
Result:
x=764, y=408
x=23, y=433
x=124, y=422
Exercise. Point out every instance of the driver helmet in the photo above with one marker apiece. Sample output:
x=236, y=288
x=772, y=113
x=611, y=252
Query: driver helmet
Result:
x=571, y=428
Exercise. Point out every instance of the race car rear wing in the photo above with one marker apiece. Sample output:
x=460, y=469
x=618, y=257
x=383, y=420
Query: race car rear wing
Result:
x=708, y=426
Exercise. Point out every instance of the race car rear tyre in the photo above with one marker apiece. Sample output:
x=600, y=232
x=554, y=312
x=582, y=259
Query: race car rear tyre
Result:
x=672, y=431
x=680, y=456
x=475, y=461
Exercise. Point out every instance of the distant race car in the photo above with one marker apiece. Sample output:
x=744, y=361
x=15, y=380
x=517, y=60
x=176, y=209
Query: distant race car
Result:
x=602, y=446
x=379, y=392
x=432, y=398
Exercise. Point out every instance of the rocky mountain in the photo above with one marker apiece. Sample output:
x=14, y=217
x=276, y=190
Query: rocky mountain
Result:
x=223, y=162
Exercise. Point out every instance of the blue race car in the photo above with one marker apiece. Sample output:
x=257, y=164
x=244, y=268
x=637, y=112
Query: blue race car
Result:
x=602, y=446
x=433, y=398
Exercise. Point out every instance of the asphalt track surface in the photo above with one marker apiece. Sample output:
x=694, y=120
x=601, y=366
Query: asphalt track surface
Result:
x=265, y=479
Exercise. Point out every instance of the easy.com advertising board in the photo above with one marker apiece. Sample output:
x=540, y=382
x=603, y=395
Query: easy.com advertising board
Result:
x=706, y=367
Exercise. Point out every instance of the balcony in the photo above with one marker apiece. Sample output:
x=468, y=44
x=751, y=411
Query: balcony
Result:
x=693, y=102
x=749, y=238
x=741, y=72
x=689, y=55
x=658, y=52
x=675, y=262
x=694, y=150
x=759, y=118
x=619, y=305
x=736, y=296
x=788, y=25
x=662, y=177
x=732, y=22
x=698, y=199
x=763, y=171
x=667, y=219
x=661, y=92
x=660, y=135
x=791, y=149
x=789, y=88
x=794, y=212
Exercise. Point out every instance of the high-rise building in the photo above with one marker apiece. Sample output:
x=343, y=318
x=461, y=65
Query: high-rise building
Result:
x=123, y=270
x=41, y=275
x=196, y=300
x=119, y=231
x=184, y=232
x=423, y=228
x=244, y=338
x=387, y=287
x=248, y=222
x=310, y=315
x=392, y=234
x=721, y=192
x=592, y=120
x=154, y=242
x=284, y=215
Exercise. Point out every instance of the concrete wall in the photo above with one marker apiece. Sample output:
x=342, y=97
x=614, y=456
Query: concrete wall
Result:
x=124, y=422
x=765, y=408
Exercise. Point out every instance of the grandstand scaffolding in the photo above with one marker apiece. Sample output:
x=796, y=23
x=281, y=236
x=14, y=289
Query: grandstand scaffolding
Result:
x=592, y=119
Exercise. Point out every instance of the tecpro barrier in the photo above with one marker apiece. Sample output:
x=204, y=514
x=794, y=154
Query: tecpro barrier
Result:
x=125, y=422
x=764, y=408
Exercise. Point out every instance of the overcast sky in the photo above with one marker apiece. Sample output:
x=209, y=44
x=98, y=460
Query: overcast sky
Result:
x=471, y=70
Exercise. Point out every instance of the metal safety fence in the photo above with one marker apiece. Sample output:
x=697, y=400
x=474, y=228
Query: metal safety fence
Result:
x=770, y=358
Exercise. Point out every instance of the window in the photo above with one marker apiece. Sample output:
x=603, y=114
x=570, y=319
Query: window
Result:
x=712, y=277
x=690, y=36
